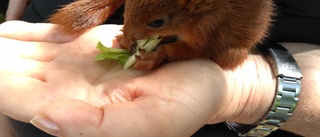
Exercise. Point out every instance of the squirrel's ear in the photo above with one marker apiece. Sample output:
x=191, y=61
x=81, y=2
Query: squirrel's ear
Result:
x=83, y=14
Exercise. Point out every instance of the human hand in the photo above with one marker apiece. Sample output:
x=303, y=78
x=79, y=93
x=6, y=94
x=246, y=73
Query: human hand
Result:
x=16, y=9
x=56, y=83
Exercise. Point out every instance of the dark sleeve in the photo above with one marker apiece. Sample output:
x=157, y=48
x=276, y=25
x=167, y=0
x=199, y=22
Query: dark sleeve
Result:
x=296, y=21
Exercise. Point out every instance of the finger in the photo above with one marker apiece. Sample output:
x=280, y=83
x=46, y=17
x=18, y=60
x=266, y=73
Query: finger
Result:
x=20, y=96
x=41, y=32
x=22, y=67
x=69, y=118
x=45, y=32
x=10, y=48
x=106, y=34
x=77, y=118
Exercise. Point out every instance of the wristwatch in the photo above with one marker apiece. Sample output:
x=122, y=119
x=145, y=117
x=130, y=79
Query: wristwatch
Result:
x=288, y=77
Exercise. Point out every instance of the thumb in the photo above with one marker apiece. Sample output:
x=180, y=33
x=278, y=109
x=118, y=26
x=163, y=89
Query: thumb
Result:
x=69, y=119
x=78, y=118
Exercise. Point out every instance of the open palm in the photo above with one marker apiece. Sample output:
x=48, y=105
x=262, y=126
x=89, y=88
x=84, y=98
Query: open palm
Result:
x=60, y=76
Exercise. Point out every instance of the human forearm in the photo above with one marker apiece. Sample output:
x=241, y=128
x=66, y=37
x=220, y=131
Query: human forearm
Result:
x=253, y=87
x=16, y=9
x=5, y=128
x=305, y=119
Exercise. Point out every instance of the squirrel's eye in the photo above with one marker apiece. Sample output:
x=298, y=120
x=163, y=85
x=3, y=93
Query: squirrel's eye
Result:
x=156, y=23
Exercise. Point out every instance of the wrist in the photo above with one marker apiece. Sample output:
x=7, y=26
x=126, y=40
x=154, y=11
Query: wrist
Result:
x=288, y=84
x=252, y=90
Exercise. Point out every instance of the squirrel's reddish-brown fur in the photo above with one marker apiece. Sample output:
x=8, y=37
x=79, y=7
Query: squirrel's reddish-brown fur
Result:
x=222, y=30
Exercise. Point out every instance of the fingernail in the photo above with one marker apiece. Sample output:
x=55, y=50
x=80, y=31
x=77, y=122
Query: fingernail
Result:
x=46, y=125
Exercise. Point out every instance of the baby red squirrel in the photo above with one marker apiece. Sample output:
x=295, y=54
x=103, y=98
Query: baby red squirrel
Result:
x=222, y=30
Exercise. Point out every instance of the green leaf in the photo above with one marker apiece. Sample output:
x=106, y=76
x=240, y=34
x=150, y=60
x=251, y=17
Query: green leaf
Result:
x=131, y=60
x=104, y=49
x=151, y=45
x=121, y=55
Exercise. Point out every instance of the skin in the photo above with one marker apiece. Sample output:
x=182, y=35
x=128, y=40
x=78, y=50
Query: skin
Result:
x=5, y=127
x=65, y=92
x=16, y=9
x=304, y=120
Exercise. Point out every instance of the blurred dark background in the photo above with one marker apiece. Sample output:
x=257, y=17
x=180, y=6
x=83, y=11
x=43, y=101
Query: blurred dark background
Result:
x=3, y=6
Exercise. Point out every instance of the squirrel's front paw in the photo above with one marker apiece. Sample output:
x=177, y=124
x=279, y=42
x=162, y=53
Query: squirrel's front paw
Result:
x=148, y=61
x=125, y=43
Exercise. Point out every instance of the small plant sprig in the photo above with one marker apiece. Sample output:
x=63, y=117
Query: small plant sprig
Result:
x=123, y=56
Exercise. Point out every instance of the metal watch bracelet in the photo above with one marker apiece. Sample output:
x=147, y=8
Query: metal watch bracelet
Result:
x=288, y=76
